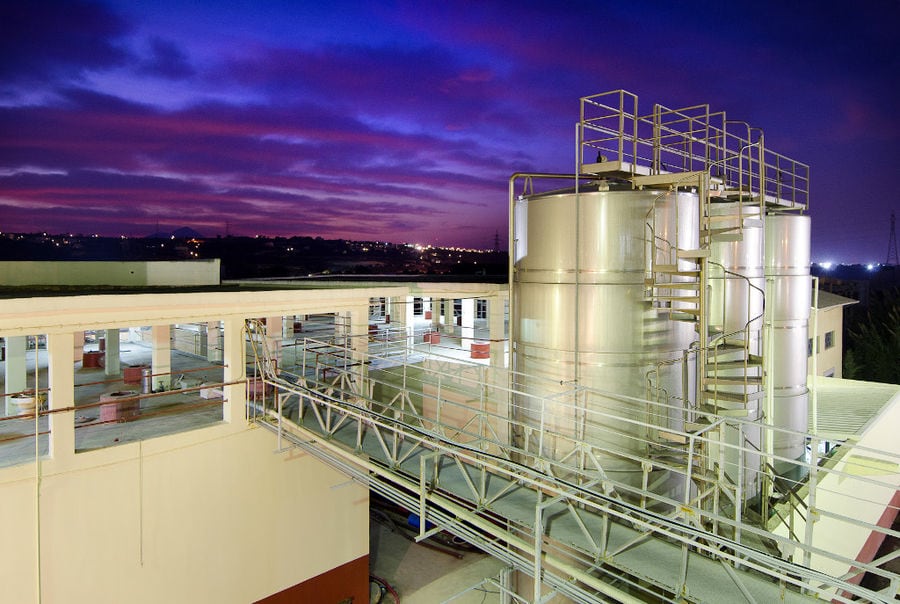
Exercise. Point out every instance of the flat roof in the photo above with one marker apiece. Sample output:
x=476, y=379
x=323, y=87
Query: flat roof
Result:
x=238, y=285
x=828, y=299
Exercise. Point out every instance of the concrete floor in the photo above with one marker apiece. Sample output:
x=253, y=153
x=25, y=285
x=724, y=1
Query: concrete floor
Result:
x=421, y=575
x=160, y=414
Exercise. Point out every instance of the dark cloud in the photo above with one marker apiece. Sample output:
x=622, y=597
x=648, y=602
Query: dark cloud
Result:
x=166, y=60
x=48, y=40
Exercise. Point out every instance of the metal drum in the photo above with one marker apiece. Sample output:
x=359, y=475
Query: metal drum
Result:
x=581, y=316
x=788, y=295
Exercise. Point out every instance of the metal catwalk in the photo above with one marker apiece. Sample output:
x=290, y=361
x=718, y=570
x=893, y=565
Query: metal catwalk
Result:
x=440, y=437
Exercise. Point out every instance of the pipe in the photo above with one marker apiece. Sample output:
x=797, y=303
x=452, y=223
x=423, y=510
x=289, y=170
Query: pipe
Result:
x=815, y=355
x=38, y=471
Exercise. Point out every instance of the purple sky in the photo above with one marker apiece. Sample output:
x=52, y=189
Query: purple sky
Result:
x=402, y=121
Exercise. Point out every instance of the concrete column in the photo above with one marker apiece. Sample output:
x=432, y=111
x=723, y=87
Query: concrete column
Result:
x=409, y=315
x=61, y=379
x=78, y=348
x=359, y=338
x=112, y=360
x=273, y=337
x=162, y=357
x=16, y=373
x=235, y=360
x=388, y=309
x=496, y=328
x=213, y=334
x=435, y=305
x=287, y=327
x=468, y=323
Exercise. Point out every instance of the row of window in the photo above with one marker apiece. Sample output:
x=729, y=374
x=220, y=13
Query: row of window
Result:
x=481, y=307
x=829, y=343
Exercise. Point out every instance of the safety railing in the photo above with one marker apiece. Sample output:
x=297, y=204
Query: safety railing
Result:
x=563, y=446
x=612, y=131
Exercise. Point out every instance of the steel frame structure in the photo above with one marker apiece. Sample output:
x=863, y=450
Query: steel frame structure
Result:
x=439, y=445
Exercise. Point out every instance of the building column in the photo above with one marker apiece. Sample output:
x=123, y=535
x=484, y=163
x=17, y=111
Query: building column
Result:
x=274, y=329
x=498, y=392
x=435, y=314
x=467, y=329
x=213, y=333
x=161, y=362
x=388, y=309
x=112, y=361
x=61, y=379
x=234, y=355
x=403, y=309
x=359, y=339
x=497, y=331
x=410, y=319
x=78, y=347
x=287, y=327
x=16, y=373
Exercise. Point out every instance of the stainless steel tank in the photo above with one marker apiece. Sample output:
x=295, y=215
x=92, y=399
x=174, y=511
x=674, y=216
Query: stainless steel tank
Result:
x=788, y=299
x=737, y=302
x=581, y=315
x=736, y=274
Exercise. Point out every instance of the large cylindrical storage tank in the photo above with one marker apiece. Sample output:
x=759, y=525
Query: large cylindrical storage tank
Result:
x=580, y=315
x=788, y=299
x=736, y=274
x=736, y=306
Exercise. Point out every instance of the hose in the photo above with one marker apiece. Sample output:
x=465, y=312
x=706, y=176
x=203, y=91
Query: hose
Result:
x=384, y=587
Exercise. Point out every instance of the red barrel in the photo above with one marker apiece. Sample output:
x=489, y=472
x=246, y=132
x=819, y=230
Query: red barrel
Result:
x=481, y=350
x=132, y=375
x=119, y=406
x=92, y=359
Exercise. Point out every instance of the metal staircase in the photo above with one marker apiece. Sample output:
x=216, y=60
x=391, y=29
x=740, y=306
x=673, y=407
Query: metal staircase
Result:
x=725, y=163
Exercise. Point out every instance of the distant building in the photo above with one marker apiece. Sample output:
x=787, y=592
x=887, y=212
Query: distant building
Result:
x=829, y=340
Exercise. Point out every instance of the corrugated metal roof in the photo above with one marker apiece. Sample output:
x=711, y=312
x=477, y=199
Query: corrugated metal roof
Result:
x=845, y=407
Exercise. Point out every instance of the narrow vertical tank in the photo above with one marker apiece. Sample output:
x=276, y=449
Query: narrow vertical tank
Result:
x=581, y=313
x=788, y=296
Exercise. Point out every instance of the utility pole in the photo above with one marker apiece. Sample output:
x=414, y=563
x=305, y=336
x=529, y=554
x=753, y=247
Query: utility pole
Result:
x=892, y=243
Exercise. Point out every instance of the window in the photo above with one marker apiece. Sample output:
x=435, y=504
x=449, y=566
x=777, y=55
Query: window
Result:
x=481, y=309
x=418, y=307
x=829, y=340
x=809, y=348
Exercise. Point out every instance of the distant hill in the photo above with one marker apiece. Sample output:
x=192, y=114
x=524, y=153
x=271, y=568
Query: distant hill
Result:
x=182, y=233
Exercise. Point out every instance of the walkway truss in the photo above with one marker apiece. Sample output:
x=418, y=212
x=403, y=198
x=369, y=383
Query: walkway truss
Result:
x=432, y=434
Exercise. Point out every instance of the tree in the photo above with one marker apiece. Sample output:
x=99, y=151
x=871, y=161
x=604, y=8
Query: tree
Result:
x=874, y=349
